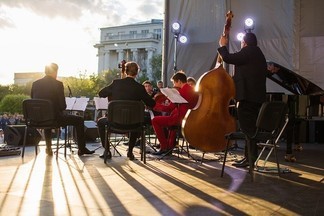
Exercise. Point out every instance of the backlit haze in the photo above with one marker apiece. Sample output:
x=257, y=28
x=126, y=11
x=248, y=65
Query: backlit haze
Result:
x=34, y=33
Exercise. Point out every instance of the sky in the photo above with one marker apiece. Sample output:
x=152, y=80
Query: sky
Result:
x=34, y=33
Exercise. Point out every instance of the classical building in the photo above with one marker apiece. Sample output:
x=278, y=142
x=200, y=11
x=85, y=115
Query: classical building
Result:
x=24, y=78
x=135, y=42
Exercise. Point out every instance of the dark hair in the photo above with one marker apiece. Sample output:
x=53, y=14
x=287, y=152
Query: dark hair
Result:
x=179, y=76
x=131, y=68
x=250, y=39
x=147, y=82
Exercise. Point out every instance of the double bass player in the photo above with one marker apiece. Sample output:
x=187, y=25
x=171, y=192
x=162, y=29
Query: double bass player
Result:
x=250, y=83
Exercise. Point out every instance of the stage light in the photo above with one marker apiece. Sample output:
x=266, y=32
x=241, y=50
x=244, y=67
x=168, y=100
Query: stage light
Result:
x=249, y=22
x=240, y=36
x=248, y=25
x=183, y=39
x=178, y=37
x=176, y=28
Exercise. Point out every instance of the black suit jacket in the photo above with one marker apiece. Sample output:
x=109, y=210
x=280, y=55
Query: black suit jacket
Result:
x=50, y=89
x=127, y=89
x=250, y=73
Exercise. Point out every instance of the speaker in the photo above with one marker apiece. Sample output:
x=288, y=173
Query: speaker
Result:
x=14, y=135
x=91, y=130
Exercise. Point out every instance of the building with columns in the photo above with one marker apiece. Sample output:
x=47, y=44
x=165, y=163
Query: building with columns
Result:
x=135, y=42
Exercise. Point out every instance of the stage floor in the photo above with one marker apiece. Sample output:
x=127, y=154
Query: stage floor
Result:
x=84, y=185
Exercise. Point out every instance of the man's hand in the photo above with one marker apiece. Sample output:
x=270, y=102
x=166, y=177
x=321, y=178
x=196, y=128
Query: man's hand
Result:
x=223, y=41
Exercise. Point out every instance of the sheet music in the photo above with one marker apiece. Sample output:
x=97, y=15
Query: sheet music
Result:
x=101, y=103
x=76, y=104
x=173, y=95
x=69, y=102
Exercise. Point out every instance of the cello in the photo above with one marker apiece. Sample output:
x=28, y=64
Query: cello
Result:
x=205, y=126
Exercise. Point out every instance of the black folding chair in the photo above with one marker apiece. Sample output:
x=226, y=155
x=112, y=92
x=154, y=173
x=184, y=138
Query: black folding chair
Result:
x=39, y=114
x=271, y=121
x=125, y=116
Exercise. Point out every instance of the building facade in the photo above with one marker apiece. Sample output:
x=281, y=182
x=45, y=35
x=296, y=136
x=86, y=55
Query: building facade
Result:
x=24, y=78
x=135, y=42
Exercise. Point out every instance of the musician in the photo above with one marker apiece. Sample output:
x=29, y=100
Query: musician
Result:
x=124, y=89
x=159, y=85
x=51, y=89
x=177, y=113
x=149, y=88
x=250, y=82
x=191, y=81
x=121, y=66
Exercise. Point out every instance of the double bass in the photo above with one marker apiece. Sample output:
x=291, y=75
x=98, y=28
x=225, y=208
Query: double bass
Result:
x=205, y=126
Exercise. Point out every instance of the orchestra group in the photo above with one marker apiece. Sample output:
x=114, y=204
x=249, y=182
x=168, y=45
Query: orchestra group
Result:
x=250, y=93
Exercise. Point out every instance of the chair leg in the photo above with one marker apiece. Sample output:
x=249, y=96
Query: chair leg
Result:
x=276, y=156
x=251, y=165
x=57, y=142
x=65, y=128
x=143, y=144
x=226, y=150
x=36, y=146
x=24, y=144
x=107, y=146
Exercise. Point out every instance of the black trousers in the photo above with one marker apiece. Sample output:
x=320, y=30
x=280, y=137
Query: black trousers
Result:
x=73, y=120
x=292, y=131
x=247, y=113
x=102, y=122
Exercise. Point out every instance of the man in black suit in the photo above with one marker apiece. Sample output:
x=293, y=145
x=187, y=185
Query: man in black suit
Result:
x=125, y=89
x=250, y=82
x=51, y=89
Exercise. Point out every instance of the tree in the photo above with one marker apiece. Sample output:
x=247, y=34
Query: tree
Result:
x=156, y=63
x=12, y=103
x=14, y=89
x=142, y=76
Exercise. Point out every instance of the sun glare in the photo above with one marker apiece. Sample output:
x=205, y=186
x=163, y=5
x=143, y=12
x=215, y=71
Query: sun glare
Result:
x=36, y=41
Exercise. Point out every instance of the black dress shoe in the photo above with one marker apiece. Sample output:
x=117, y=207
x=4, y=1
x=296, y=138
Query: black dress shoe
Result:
x=161, y=152
x=240, y=161
x=102, y=156
x=244, y=163
x=85, y=151
x=130, y=155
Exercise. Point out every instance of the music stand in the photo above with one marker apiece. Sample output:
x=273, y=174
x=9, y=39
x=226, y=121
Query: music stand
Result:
x=74, y=104
x=101, y=105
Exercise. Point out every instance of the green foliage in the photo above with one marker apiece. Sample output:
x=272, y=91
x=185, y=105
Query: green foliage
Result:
x=110, y=75
x=14, y=89
x=142, y=76
x=156, y=63
x=12, y=103
x=83, y=86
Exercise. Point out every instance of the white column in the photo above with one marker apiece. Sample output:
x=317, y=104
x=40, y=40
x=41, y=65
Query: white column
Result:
x=135, y=54
x=148, y=63
x=107, y=58
x=101, y=60
x=120, y=55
